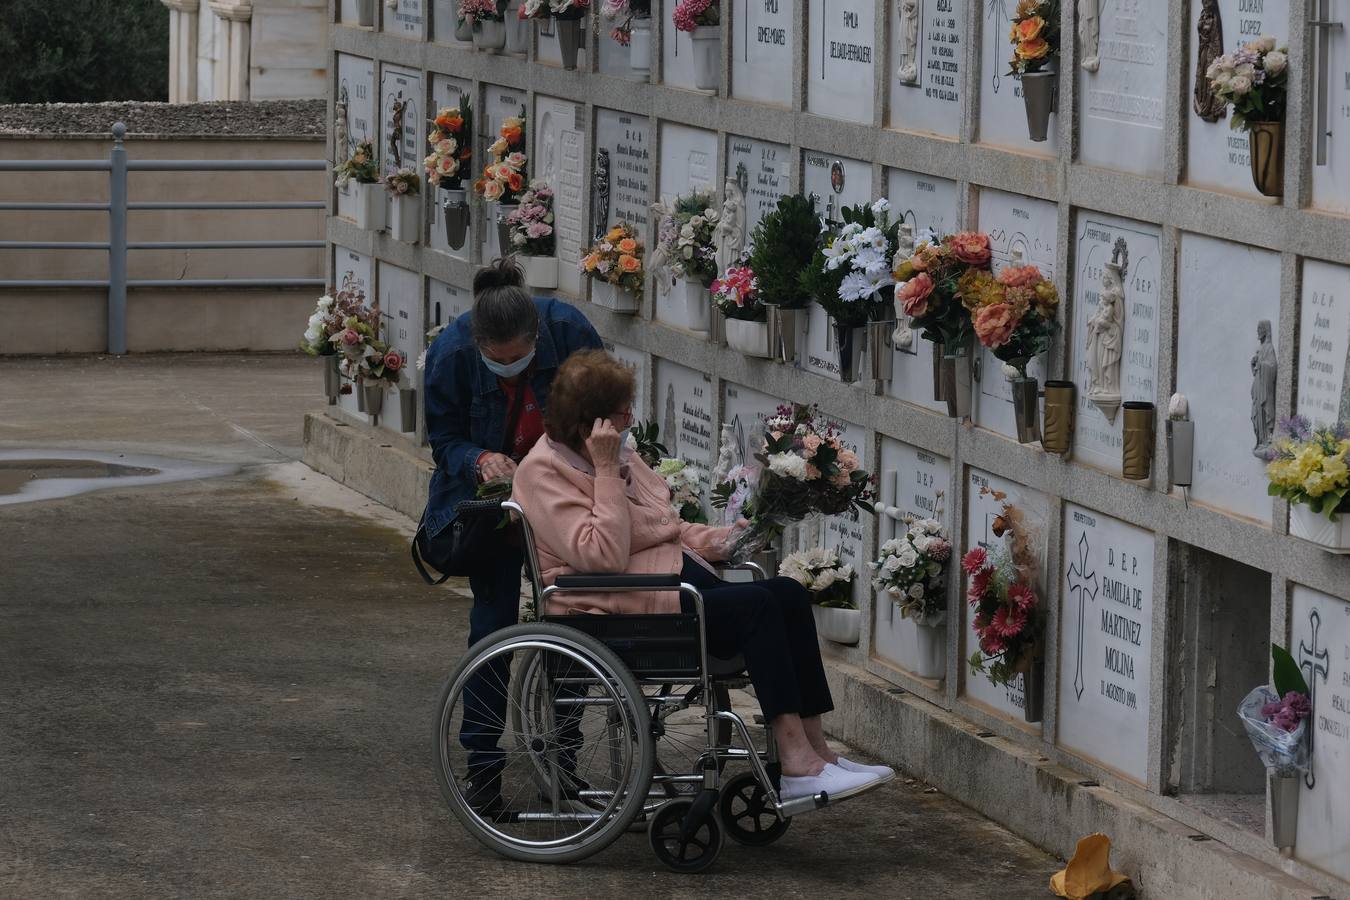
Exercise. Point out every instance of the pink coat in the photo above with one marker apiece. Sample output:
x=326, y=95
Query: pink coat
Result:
x=605, y=525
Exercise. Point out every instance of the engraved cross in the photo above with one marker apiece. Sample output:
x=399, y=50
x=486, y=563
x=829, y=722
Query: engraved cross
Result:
x=1081, y=580
x=1315, y=662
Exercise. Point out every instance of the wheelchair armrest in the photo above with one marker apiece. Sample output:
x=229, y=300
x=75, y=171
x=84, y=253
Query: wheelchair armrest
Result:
x=471, y=507
x=617, y=582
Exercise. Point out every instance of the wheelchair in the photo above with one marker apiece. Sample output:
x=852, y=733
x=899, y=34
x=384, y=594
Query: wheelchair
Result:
x=612, y=722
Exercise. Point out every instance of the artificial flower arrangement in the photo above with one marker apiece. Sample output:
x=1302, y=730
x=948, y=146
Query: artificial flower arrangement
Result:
x=783, y=245
x=1034, y=36
x=684, y=238
x=616, y=259
x=736, y=294
x=1008, y=617
x=1276, y=717
x=912, y=570
x=557, y=9
x=930, y=284
x=686, y=482
x=480, y=11
x=451, y=145
x=403, y=183
x=850, y=273
x=1253, y=80
x=690, y=14
x=361, y=167
x=531, y=222
x=504, y=177
x=1013, y=313
x=353, y=332
x=622, y=13
x=1310, y=465
x=329, y=319
x=821, y=572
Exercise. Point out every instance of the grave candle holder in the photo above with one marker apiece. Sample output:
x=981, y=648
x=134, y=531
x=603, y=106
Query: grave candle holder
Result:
x=880, y=350
x=332, y=379
x=1058, y=417
x=407, y=409
x=1137, y=452
x=455, y=206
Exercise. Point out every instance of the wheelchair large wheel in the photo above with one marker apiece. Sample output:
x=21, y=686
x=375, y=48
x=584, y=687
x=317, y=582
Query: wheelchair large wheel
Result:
x=746, y=813
x=681, y=738
x=576, y=777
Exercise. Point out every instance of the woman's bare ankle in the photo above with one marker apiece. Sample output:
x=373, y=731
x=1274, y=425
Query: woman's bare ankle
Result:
x=803, y=766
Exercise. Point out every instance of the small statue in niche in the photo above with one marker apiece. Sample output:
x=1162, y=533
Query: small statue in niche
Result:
x=729, y=236
x=1090, y=34
x=670, y=435
x=600, y=193
x=341, y=148
x=1265, y=368
x=396, y=130
x=1208, y=47
x=727, y=452
x=909, y=42
x=903, y=336
x=1106, y=333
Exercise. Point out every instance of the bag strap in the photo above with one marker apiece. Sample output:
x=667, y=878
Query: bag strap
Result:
x=513, y=419
x=417, y=559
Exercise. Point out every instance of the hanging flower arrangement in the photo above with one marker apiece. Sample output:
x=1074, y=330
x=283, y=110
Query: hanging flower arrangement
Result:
x=451, y=146
x=504, y=177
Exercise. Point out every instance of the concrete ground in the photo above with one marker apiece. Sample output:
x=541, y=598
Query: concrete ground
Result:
x=224, y=687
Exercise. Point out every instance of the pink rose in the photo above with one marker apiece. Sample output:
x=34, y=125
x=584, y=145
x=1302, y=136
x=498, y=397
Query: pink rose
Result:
x=393, y=361
x=971, y=247
x=1019, y=276
x=914, y=294
x=994, y=325
x=351, y=337
x=810, y=444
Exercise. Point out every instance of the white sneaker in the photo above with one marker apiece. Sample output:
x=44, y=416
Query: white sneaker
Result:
x=835, y=782
x=885, y=773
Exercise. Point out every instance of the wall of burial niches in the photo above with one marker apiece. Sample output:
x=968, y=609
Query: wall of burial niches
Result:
x=855, y=99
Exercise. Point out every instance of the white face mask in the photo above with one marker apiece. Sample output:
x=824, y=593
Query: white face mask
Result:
x=508, y=370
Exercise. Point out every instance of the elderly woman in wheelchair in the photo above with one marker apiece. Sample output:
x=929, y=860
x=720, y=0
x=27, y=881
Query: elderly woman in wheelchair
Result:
x=630, y=599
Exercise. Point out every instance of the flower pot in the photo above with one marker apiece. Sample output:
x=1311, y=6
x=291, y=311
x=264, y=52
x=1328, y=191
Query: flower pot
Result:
x=407, y=222
x=1026, y=408
x=370, y=206
x=1284, y=790
x=1057, y=425
x=1265, y=150
x=938, y=395
x=489, y=35
x=1137, y=452
x=1329, y=534
x=517, y=30
x=750, y=338
x=372, y=395
x=849, y=343
x=407, y=409
x=1033, y=690
x=464, y=31
x=1180, y=450
x=843, y=626
x=455, y=206
x=930, y=655
x=611, y=296
x=332, y=379
x=640, y=44
x=540, y=271
x=956, y=382
x=1038, y=93
x=689, y=305
x=707, y=56
x=504, y=211
x=717, y=326
x=782, y=323
x=569, y=40
x=365, y=13
x=881, y=350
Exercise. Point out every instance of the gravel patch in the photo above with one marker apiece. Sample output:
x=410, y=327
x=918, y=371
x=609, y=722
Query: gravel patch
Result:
x=263, y=118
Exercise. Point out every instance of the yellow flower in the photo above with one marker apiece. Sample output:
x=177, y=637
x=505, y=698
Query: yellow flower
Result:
x=614, y=233
x=1307, y=461
x=904, y=270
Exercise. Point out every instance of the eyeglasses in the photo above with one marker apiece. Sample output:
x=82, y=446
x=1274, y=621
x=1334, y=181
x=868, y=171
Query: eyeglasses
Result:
x=626, y=416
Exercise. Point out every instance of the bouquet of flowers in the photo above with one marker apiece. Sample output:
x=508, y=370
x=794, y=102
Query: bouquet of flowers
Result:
x=361, y=167
x=623, y=12
x=912, y=569
x=1013, y=313
x=820, y=572
x=932, y=284
x=1008, y=617
x=617, y=259
x=403, y=183
x=736, y=294
x=480, y=11
x=1310, y=465
x=783, y=245
x=1276, y=716
x=686, y=482
x=850, y=275
x=329, y=319
x=364, y=356
x=1254, y=80
x=451, y=145
x=504, y=178
x=531, y=222
x=1034, y=36
x=690, y=14
x=684, y=238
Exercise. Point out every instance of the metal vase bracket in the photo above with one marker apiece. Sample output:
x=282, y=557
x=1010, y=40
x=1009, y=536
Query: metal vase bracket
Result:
x=1039, y=94
x=455, y=206
x=1137, y=450
x=1284, y=790
x=1026, y=408
x=504, y=211
x=848, y=343
x=956, y=382
x=373, y=394
x=1265, y=150
x=407, y=409
x=1057, y=424
x=782, y=333
x=332, y=379
x=1180, y=450
x=1033, y=690
x=938, y=395
x=569, y=40
x=881, y=350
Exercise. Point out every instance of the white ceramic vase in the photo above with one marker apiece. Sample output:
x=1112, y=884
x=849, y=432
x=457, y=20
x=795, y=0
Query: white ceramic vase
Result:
x=540, y=271
x=1329, y=534
x=843, y=626
x=930, y=655
x=640, y=45
x=750, y=338
x=489, y=35
x=517, y=30
x=688, y=306
x=707, y=56
x=370, y=205
x=406, y=224
x=612, y=297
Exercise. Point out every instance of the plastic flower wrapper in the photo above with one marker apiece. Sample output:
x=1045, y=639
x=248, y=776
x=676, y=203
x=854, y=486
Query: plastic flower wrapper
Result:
x=1276, y=716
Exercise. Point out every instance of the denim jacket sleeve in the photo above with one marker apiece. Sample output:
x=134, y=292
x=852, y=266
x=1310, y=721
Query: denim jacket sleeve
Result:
x=448, y=392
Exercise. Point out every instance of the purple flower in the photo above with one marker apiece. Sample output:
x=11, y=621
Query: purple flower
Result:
x=1297, y=427
x=1270, y=709
x=1298, y=704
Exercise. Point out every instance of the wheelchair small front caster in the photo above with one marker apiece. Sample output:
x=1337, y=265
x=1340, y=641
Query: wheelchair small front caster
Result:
x=684, y=849
x=746, y=813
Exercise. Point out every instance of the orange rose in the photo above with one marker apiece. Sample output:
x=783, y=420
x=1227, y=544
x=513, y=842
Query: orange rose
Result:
x=512, y=135
x=449, y=123
x=994, y=325
x=1019, y=276
x=590, y=262
x=627, y=245
x=629, y=263
x=970, y=247
x=1033, y=49
x=514, y=181
x=914, y=294
x=1030, y=29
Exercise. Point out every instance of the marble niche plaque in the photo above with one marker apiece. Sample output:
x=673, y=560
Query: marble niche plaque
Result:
x=444, y=20
x=499, y=103
x=763, y=172
x=641, y=366
x=1025, y=225
x=1331, y=175
x=688, y=163
x=1216, y=155
x=559, y=137
x=446, y=303
x=841, y=72
x=928, y=46
x=1215, y=361
x=1320, y=643
x=1324, y=343
x=621, y=172
x=354, y=117
x=924, y=202
x=353, y=270
x=982, y=509
x=407, y=19
x=401, y=326
x=684, y=411
x=402, y=120
x=447, y=90
x=1003, y=117
x=1121, y=104
x=1106, y=641
x=910, y=479
x=1128, y=332
x=762, y=32
x=836, y=182
x=744, y=410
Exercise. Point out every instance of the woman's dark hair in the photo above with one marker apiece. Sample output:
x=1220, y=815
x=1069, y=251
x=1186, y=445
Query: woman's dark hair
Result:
x=502, y=308
x=590, y=385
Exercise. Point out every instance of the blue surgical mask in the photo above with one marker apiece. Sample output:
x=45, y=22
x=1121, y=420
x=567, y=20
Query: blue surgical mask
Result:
x=623, y=439
x=508, y=370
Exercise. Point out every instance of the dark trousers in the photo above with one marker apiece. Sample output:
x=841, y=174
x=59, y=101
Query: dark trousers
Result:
x=496, y=603
x=770, y=624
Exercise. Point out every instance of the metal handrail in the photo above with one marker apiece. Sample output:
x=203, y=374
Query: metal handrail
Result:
x=117, y=206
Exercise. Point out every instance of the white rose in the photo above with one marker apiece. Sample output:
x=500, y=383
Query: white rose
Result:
x=325, y=302
x=934, y=569
x=892, y=564
x=916, y=591
x=1240, y=84
x=1010, y=372
x=908, y=557
x=1265, y=43
x=312, y=335
x=1275, y=62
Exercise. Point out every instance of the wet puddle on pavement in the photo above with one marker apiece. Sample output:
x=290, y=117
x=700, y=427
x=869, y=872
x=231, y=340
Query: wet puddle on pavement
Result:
x=30, y=475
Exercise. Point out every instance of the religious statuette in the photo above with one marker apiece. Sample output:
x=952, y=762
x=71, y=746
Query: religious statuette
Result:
x=1264, y=369
x=1208, y=47
x=1089, y=34
x=909, y=42
x=729, y=236
x=1106, y=332
x=726, y=453
x=669, y=430
x=600, y=194
x=903, y=338
x=396, y=131
x=340, y=148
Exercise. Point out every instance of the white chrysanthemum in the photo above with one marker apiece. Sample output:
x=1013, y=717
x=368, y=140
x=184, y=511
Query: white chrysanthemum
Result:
x=788, y=465
x=1010, y=372
x=855, y=286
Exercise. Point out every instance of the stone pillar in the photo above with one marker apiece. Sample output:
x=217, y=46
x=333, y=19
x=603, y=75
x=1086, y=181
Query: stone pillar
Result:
x=232, y=66
x=182, y=50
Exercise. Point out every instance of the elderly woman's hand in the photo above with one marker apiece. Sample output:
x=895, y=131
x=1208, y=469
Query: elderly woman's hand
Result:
x=603, y=445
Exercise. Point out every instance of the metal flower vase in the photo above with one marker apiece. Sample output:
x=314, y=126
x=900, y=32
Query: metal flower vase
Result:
x=707, y=56
x=569, y=40
x=1137, y=451
x=407, y=409
x=1057, y=424
x=1265, y=150
x=373, y=395
x=848, y=343
x=1038, y=93
x=1181, y=450
x=455, y=206
x=1026, y=408
x=365, y=13
x=938, y=396
x=1284, y=790
x=1033, y=690
x=517, y=31
x=332, y=379
x=782, y=323
x=504, y=211
x=956, y=381
x=881, y=350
